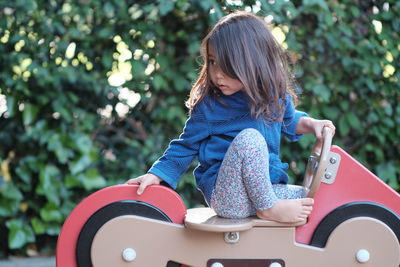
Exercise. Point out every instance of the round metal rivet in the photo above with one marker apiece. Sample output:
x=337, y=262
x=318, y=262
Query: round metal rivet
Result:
x=362, y=256
x=332, y=160
x=275, y=264
x=129, y=254
x=217, y=264
x=328, y=175
x=231, y=237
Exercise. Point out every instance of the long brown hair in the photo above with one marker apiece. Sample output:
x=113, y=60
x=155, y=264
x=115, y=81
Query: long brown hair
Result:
x=247, y=51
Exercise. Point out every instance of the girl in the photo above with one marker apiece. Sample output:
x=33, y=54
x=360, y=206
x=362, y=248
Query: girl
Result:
x=239, y=106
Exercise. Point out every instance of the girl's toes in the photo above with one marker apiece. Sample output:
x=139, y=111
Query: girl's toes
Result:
x=307, y=201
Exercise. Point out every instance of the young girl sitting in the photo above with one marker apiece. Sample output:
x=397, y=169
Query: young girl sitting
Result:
x=239, y=106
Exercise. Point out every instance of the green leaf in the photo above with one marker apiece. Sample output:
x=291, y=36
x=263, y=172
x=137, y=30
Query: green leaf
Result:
x=370, y=84
x=344, y=105
x=320, y=3
x=353, y=121
x=355, y=11
x=8, y=207
x=80, y=164
x=63, y=110
x=49, y=183
x=109, y=10
x=19, y=234
x=83, y=143
x=56, y=144
x=93, y=180
x=194, y=47
x=322, y=91
x=372, y=117
x=16, y=238
x=29, y=113
x=344, y=128
x=180, y=83
x=104, y=33
x=159, y=82
x=72, y=181
x=387, y=172
x=50, y=212
x=41, y=227
x=330, y=112
x=11, y=106
x=166, y=6
x=10, y=191
x=306, y=141
x=38, y=226
x=379, y=154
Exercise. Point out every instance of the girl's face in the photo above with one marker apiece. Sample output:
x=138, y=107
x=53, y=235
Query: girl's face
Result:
x=226, y=84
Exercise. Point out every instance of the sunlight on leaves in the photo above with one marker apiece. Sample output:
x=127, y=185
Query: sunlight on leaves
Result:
x=377, y=26
x=70, y=52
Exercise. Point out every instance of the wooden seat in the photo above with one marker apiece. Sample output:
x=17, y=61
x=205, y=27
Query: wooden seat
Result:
x=205, y=219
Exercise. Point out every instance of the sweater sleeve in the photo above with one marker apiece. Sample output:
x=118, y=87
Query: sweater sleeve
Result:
x=182, y=151
x=290, y=120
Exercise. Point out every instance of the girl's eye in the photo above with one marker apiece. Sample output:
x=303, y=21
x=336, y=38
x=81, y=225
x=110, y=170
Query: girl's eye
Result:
x=212, y=62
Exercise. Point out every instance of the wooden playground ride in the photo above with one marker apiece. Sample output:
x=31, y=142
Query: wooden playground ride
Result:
x=355, y=222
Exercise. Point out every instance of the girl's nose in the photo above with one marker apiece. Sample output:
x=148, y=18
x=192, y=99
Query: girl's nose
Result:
x=219, y=73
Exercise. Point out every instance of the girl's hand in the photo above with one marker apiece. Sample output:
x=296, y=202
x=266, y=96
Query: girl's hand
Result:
x=144, y=181
x=309, y=125
x=318, y=126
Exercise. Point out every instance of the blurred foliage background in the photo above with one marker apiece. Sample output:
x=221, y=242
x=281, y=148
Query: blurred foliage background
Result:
x=91, y=92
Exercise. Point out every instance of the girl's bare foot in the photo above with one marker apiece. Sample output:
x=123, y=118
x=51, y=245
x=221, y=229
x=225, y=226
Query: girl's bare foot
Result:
x=288, y=210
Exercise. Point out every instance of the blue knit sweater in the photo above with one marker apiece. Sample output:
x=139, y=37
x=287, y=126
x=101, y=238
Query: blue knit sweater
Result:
x=210, y=130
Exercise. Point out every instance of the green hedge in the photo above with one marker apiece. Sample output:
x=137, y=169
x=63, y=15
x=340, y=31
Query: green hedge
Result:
x=91, y=92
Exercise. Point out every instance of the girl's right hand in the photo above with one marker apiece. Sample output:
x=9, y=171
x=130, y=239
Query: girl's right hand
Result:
x=144, y=181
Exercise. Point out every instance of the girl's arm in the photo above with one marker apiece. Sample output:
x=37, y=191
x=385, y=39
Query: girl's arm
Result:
x=308, y=125
x=178, y=156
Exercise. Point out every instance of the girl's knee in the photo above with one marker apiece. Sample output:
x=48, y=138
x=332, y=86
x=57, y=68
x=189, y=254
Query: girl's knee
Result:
x=250, y=138
x=251, y=132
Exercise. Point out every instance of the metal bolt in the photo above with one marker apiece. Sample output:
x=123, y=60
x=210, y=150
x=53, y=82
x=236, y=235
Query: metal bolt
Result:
x=328, y=175
x=217, y=264
x=275, y=264
x=332, y=160
x=231, y=237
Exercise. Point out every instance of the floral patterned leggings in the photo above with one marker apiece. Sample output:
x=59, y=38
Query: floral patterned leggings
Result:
x=243, y=184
